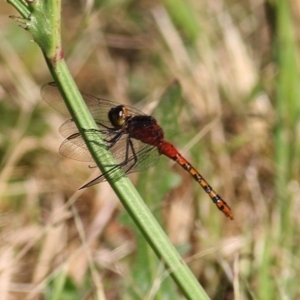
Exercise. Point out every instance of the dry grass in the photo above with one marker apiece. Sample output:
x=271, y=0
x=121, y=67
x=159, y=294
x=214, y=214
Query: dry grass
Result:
x=238, y=122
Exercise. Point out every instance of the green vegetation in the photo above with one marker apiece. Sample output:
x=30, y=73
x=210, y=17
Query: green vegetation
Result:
x=234, y=114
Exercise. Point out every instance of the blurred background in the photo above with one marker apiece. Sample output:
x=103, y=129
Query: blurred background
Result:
x=234, y=67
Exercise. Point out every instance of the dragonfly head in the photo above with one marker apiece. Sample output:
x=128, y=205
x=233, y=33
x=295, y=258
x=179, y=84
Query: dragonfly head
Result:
x=118, y=116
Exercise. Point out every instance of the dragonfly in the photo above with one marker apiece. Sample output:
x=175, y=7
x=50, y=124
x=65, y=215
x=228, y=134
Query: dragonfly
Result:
x=135, y=139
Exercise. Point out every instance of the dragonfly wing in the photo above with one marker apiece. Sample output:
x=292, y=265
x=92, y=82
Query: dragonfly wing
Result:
x=52, y=96
x=114, y=173
x=124, y=161
x=132, y=156
x=148, y=157
x=68, y=128
x=139, y=156
x=98, y=107
x=75, y=148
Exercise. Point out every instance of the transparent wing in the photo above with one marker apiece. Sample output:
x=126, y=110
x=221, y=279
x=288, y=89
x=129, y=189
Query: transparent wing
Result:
x=74, y=146
x=98, y=107
x=132, y=155
x=76, y=149
x=68, y=128
x=135, y=158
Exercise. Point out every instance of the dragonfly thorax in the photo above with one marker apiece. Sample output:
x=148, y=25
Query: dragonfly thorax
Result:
x=145, y=129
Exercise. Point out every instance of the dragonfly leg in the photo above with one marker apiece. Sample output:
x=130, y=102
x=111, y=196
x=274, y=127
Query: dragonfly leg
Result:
x=102, y=177
x=111, y=142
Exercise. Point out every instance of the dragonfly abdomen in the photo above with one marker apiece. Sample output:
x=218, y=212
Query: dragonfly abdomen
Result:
x=170, y=151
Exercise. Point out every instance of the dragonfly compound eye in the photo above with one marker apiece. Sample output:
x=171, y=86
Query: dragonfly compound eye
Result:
x=117, y=116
